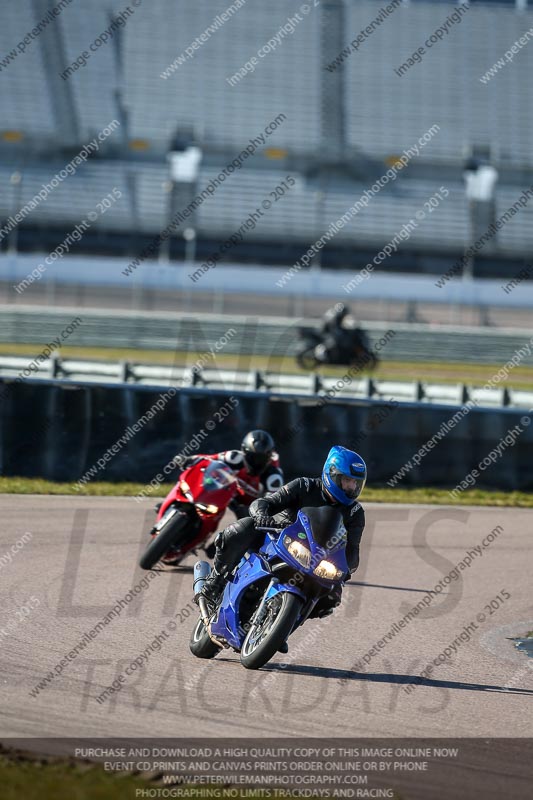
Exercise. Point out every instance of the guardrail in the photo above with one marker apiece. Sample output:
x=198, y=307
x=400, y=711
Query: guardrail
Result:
x=86, y=371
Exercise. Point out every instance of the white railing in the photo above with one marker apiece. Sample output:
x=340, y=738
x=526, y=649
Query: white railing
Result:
x=85, y=371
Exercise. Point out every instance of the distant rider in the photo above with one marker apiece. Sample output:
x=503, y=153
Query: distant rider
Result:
x=332, y=324
x=338, y=340
x=342, y=481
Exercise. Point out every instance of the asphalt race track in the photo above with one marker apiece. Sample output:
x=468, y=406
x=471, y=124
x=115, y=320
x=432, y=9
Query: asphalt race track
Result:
x=81, y=559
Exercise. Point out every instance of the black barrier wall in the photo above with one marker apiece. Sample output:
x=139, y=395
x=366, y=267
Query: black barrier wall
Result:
x=68, y=432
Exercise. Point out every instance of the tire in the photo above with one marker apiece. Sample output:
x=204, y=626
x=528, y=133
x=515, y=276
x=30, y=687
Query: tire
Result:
x=200, y=644
x=169, y=536
x=306, y=358
x=254, y=656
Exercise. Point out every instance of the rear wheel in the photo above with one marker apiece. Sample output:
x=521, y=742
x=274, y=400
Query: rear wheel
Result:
x=264, y=640
x=365, y=360
x=200, y=644
x=174, y=533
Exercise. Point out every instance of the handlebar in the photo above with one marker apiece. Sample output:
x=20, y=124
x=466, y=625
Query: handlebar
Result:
x=269, y=529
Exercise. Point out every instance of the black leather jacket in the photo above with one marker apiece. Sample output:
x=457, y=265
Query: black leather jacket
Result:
x=287, y=501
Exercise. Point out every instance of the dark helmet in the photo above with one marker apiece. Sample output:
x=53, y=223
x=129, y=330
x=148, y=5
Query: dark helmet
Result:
x=257, y=447
x=344, y=466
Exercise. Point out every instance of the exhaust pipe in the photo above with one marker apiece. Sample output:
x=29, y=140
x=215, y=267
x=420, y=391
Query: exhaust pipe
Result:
x=201, y=572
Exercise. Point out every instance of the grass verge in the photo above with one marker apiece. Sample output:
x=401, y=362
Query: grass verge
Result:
x=33, y=778
x=476, y=497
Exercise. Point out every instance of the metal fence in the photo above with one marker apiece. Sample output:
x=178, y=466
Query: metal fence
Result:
x=351, y=385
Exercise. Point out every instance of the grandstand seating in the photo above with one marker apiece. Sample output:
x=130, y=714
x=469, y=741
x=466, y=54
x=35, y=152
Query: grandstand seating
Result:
x=198, y=95
x=385, y=113
x=94, y=85
x=24, y=91
x=295, y=217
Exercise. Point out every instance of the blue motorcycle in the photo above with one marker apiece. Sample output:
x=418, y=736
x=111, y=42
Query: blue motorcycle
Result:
x=272, y=592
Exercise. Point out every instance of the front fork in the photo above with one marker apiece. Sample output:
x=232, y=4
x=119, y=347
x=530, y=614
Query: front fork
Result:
x=259, y=613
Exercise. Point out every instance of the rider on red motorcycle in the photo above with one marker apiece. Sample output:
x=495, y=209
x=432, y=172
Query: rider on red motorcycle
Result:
x=256, y=466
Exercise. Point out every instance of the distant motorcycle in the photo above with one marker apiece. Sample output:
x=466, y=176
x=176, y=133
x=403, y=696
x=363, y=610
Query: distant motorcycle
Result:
x=352, y=349
x=191, y=511
x=272, y=592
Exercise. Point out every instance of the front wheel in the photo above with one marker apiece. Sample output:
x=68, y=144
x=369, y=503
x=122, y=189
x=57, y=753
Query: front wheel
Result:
x=306, y=359
x=264, y=640
x=200, y=644
x=174, y=533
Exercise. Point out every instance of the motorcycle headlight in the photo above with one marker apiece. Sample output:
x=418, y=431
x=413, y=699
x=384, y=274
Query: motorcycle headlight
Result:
x=299, y=551
x=328, y=571
x=209, y=509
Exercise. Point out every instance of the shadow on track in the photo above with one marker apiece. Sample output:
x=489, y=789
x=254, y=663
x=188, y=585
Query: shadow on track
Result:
x=169, y=569
x=378, y=677
x=384, y=586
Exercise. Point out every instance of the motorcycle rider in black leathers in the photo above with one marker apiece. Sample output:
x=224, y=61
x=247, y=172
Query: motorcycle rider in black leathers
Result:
x=333, y=319
x=342, y=481
x=337, y=340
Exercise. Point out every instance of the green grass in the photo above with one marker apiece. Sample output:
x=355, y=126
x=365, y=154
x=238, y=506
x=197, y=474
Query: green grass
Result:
x=95, y=489
x=29, y=777
x=42, y=779
x=478, y=497
x=429, y=371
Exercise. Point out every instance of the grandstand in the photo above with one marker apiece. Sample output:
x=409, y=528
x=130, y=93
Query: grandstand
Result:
x=297, y=217
x=387, y=113
x=383, y=114
x=343, y=127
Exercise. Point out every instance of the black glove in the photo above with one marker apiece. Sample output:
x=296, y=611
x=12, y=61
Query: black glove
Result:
x=264, y=521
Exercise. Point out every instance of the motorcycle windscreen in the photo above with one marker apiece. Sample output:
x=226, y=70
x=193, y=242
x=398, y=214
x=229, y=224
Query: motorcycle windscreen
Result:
x=326, y=525
x=218, y=475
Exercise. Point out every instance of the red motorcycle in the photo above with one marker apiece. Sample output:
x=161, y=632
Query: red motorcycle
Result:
x=191, y=511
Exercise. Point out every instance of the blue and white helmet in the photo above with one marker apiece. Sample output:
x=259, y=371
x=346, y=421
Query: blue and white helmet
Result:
x=348, y=464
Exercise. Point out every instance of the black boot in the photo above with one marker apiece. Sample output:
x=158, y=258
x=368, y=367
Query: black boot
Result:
x=213, y=587
x=210, y=550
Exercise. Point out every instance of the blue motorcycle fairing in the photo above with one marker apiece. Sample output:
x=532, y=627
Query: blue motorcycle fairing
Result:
x=255, y=567
x=336, y=555
x=276, y=588
x=227, y=624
